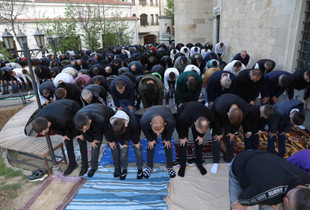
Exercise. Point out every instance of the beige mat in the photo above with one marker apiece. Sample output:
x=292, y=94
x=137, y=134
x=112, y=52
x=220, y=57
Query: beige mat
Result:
x=195, y=192
x=54, y=193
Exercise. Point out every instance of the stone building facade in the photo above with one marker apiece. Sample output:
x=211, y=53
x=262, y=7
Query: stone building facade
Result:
x=265, y=28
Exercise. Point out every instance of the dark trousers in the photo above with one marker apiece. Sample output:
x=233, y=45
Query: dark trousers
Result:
x=150, y=157
x=251, y=142
x=5, y=86
x=70, y=151
x=170, y=94
x=216, y=150
x=120, y=156
x=94, y=154
x=198, y=151
x=281, y=143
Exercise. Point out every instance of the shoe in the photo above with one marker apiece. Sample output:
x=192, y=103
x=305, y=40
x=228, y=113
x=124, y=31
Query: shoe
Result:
x=117, y=173
x=140, y=174
x=171, y=172
x=147, y=173
x=70, y=169
x=83, y=170
x=123, y=175
x=37, y=176
x=91, y=172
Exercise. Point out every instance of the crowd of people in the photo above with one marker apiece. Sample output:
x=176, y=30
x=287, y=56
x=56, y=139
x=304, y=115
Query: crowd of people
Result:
x=208, y=94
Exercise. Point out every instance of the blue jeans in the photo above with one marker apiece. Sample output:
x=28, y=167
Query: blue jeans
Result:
x=170, y=94
x=235, y=189
x=124, y=103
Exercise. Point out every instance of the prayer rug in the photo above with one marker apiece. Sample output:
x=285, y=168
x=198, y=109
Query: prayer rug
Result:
x=159, y=156
x=296, y=140
x=103, y=191
x=46, y=198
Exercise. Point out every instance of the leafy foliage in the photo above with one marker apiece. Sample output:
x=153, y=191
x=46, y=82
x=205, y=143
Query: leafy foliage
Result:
x=169, y=9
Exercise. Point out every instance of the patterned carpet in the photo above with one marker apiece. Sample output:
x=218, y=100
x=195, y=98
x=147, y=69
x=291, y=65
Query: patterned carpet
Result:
x=297, y=140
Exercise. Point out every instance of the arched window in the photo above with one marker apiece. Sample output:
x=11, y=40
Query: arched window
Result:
x=143, y=20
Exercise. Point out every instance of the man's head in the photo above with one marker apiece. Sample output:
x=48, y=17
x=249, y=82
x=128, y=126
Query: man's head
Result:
x=307, y=76
x=79, y=62
x=171, y=76
x=243, y=54
x=46, y=92
x=266, y=111
x=95, y=71
x=108, y=69
x=158, y=124
x=235, y=115
x=237, y=66
x=119, y=126
x=221, y=44
x=225, y=81
x=150, y=89
x=41, y=125
x=12, y=73
x=255, y=75
x=82, y=122
x=297, y=118
x=133, y=67
x=214, y=64
x=268, y=65
x=297, y=198
x=284, y=80
x=191, y=83
x=61, y=93
x=120, y=86
x=79, y=83
x=87, y=95
x=202, y=124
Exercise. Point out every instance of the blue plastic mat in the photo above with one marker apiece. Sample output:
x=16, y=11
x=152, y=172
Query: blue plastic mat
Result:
x=103, y=191
x=159, y=156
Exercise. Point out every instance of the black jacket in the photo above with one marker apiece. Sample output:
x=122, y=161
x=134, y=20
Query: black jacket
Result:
x=281, y=114
x=266, y=178
x=47, y=85
x=72, y=91
x=214, y=88
x=188, y=114
x=99, y=93
x=146, y=119
x=271, y=85
x=299, y=83
x=129, y=92
x=60, y=113
x=261, y=65
x=253, y=121
x=221, y=107
x=132, y=131
x=246, y=88
x=100, y=115
x=238, y=57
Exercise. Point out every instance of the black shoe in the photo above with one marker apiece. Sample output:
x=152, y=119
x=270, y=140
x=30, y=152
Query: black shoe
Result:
x=83, y=171
x=123, y=175
x=117, y=173
x=140, y=174
x=91, y=172
x=171, y=172
x=70, y=169
x=37, y=176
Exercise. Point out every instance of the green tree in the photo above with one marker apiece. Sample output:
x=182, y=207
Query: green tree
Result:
x=169, y=9
x=5, y=53
x=65, y=27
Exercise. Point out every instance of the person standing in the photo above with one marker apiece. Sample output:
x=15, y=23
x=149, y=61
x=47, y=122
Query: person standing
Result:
x=158, y=120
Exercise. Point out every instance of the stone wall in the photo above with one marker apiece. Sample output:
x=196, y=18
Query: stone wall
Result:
x=266, y=29
x=192, y=21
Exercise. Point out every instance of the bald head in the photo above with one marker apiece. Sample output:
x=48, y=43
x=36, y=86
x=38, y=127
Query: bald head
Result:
x=235, y=116
x=158, y=124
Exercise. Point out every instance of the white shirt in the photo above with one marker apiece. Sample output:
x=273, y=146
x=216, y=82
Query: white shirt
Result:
x=192, y=67
x=193, y=50
x=172, y=54
x=182, y=51
x=230, y=67
x=218, y=49
x=166, y=77
x=19, y=74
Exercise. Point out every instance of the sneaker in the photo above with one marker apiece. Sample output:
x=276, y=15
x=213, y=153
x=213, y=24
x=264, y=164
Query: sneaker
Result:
x=83, y=170
x=147, y=173
x=140, y=174
x=37, y=176
x=123, y=175
x=117, y=173
x=70, y=169
x=171, y=172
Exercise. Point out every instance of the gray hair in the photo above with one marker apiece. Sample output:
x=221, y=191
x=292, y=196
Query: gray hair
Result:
x=226, y=82
x=86, y=94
